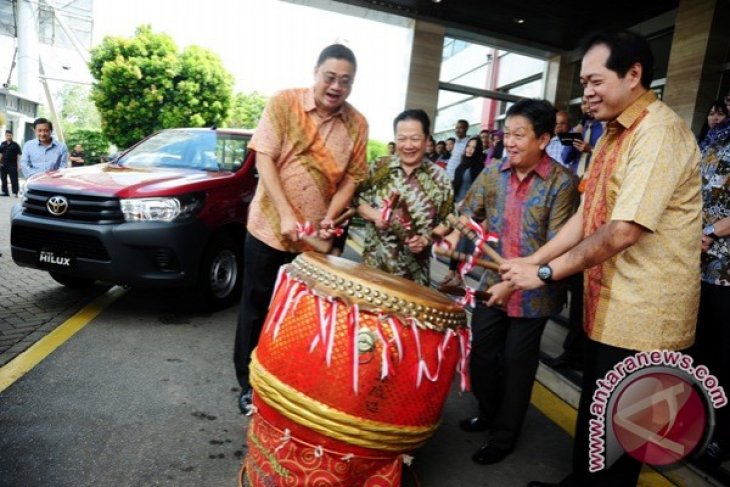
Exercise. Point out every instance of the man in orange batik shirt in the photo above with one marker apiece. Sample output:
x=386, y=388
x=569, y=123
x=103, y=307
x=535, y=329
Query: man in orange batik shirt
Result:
x=310, y=154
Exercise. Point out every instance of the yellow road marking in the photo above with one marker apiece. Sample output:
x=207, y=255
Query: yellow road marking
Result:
x=354, y=245
x=563, y=414
x=25, y=361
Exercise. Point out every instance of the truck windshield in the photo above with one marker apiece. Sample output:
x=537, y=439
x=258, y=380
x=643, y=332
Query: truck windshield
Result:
x=204, y=150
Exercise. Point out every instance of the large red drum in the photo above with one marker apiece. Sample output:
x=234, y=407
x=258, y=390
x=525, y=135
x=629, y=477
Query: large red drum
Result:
x=350, y=374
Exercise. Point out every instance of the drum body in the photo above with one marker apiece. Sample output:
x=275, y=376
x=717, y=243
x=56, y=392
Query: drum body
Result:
x=351, y=372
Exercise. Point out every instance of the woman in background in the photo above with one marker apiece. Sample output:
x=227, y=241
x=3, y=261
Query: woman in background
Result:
x=472, y=163
x=717, y=115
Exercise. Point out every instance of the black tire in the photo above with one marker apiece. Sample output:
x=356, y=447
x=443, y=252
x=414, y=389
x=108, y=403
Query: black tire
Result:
x=221, y=272
x=72, y=281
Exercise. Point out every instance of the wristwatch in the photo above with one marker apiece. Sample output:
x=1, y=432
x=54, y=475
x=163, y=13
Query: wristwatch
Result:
x=709, y=231
x=545, y=273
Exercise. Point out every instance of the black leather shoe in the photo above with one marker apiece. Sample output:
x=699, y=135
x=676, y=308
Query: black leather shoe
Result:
x=488, y=454
x=474, y=424
x=564, y=361
x=245, y=400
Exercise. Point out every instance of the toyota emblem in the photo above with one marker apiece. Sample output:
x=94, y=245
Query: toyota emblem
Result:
x=57, y=205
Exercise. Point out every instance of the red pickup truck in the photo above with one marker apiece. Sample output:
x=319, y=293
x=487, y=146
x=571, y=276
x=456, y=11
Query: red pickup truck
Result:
x=169, y=212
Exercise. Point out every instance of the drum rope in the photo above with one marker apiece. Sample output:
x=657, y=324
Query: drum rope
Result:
x=330, y=422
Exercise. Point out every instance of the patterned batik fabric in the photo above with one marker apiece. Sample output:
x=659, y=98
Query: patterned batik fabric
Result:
x=645, y=170
x=525, y=215
x=313, y=156
x=716, y=199
x=428, y=197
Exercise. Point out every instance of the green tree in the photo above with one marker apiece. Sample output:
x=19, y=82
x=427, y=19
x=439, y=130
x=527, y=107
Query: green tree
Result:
x=376, y=148
x=246, y=110
x=143, y=84
x=77, y=109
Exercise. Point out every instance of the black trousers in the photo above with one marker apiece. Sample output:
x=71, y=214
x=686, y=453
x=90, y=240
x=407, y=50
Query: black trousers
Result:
x=261, y=266
x=9, y=169
x=504, y=359
x=575, y=340
x=599, y=359
x=712, y=346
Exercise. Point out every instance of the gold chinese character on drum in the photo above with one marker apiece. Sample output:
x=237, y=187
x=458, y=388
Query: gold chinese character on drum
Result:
x=350, y=374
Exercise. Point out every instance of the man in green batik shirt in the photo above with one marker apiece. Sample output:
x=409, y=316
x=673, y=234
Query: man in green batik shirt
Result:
x=401, y=244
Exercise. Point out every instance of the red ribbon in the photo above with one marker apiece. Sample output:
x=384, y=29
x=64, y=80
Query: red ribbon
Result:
x=306, y=230
x=469, y=298
x=466, y=266
x=387, y=210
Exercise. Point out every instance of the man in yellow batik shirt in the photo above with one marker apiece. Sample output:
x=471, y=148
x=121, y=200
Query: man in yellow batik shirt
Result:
x=634, y=236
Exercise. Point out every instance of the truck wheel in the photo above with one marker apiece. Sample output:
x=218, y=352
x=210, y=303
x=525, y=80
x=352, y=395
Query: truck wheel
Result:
x=221, y=272
x=72, y=281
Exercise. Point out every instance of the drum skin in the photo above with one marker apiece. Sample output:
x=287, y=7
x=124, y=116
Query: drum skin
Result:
x=351, y=363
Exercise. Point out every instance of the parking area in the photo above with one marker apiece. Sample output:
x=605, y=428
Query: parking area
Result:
x=31, y=303
x=145, y=394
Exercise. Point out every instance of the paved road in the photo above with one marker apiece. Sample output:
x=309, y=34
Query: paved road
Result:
x=31, y=303
x=145, y=395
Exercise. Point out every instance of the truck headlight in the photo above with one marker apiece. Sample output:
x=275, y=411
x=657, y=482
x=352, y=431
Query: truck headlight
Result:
x=160, y=209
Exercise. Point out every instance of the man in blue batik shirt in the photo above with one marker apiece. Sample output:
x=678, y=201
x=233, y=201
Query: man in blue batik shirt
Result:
x=43, y=153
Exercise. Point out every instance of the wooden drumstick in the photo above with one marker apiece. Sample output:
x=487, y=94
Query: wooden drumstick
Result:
x=346, y=215
x=324, y=246
x=472, y=235
x=462, y=257
x=460, y=291
x=321, y=246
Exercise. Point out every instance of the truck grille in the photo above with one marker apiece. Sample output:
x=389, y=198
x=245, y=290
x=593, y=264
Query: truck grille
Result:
x=82, y=208
x=83, y=246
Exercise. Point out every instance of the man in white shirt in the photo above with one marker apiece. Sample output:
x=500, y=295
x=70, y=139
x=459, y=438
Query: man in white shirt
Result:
x=459, y=147
x=562, y=126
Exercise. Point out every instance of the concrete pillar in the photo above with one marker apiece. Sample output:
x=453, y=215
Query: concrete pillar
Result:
x=423, y=77
x=558, y=76
x=28, y=52
x=699, y=47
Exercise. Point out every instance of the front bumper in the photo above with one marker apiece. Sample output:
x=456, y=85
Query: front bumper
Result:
x=150, y=254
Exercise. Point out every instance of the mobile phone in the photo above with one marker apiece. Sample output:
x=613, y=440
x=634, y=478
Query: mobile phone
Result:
x=569, y=137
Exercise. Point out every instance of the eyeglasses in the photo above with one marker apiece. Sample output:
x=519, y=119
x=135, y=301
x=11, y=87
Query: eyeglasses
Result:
x=343, y=81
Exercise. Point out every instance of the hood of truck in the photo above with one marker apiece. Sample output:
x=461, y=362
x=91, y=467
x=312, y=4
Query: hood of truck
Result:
x=112, y=180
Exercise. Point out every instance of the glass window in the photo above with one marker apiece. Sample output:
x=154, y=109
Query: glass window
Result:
x=461, y=62
x=473, y=66
x=514, y=67
x=469, y=109
x=204, y=150
x=661, y=45
x=231, y=151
